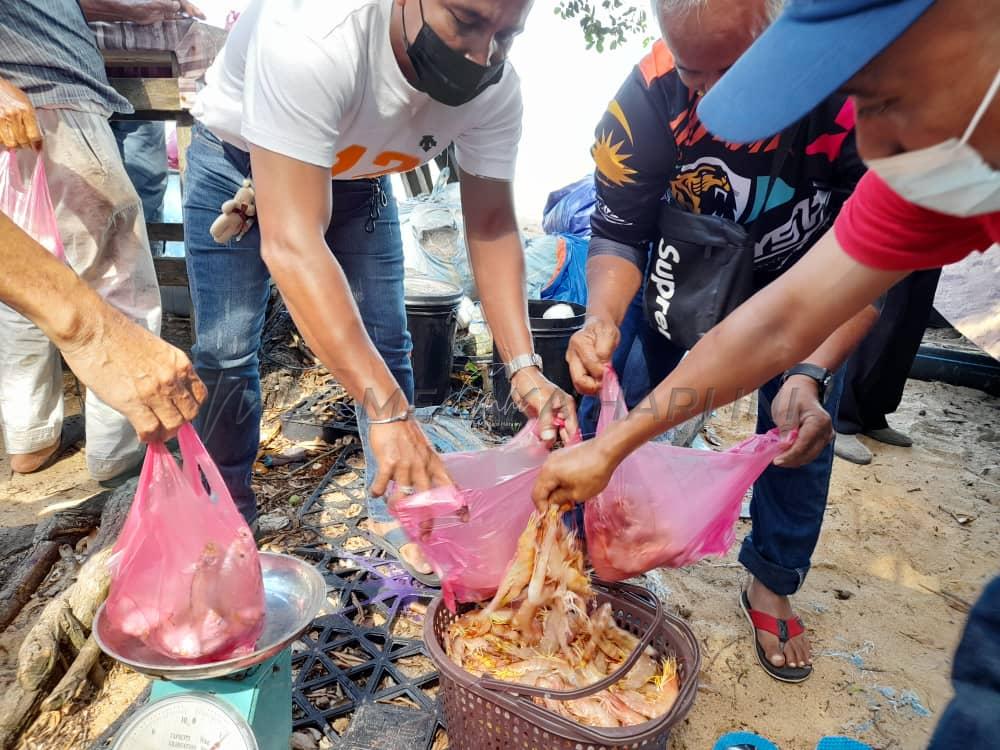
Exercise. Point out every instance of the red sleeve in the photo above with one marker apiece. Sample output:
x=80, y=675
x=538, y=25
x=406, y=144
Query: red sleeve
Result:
x=879, y=229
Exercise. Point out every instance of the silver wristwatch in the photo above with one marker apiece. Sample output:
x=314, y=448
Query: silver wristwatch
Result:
x=522, y=361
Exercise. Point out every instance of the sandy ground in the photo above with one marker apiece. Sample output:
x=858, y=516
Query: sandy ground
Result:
x=915, y=524
x=968, y=295
x=900, y=533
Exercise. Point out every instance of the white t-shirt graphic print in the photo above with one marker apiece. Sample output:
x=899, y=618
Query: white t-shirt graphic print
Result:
x=317, y=80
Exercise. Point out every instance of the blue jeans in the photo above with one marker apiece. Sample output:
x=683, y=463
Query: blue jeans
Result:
x=143, y=146
x=788, y=504
x=230, y=287
x=972, y=720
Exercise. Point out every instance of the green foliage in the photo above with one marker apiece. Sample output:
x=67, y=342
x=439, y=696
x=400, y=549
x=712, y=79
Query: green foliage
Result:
x=605, y=23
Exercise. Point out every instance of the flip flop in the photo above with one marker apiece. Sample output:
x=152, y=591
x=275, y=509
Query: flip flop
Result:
x=743, y=741
x=390, y=543
x=73, y=431
x=841, y=743
x=785, y=630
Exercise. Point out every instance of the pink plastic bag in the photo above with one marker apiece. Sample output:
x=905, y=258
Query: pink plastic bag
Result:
x=186, y=573
x=468, y=533
x=173, y=155
x=667, y=506
x=30, y=207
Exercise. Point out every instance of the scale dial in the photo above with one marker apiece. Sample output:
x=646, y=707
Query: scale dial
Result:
x=189, y=721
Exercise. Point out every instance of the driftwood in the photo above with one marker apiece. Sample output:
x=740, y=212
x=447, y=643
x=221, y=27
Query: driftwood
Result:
x=66, y=526
x=28, y=578
x=16, y=539
x=76, y=676
x=61, y=635
x=58, y=629
x=65, y=621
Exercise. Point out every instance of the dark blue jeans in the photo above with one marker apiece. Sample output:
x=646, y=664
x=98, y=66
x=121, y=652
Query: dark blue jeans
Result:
x=230, y=286
x=143, y=146
x=972, y=719
x=788, y=504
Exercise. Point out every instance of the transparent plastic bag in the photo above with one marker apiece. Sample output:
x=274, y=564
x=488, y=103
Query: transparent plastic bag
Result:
x=668, y=506
x=468, y=533
x=30, y=207
x=186, y=576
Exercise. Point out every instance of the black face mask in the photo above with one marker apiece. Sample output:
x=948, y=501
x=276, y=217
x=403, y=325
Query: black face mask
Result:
x=443, y=74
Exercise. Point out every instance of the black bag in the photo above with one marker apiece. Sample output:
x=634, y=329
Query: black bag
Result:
x=702, y=270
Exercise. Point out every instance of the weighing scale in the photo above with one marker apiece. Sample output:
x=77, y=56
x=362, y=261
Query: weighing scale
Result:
x=243, y=703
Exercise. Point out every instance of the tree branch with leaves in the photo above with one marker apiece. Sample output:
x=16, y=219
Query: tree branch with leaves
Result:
x=604, y=23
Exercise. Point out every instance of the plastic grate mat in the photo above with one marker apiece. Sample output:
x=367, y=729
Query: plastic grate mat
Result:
x=368, y=654
x=328, y=416
x=361, y=675
x=336, y=509
x=320, y=417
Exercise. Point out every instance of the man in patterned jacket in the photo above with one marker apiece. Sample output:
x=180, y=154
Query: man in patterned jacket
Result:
x=651, y=150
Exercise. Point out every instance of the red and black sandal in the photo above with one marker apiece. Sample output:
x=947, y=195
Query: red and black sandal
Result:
x=785, y=630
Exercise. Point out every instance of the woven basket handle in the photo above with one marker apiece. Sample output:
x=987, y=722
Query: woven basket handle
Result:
x=622, y=589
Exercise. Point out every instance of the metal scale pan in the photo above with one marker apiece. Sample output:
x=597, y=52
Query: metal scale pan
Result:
x=294, y=594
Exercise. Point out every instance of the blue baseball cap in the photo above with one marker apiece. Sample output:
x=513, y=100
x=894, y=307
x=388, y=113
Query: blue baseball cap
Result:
x=811, y=50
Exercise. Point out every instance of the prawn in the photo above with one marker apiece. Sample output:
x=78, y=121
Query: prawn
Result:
x=620, y=710
x=519, y=573
x=526, y=613
x=645, y=669
x=650, y=706
x=542, y=628
x=590, y=711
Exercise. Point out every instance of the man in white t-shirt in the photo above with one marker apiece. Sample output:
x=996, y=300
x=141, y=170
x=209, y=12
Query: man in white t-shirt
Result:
x=356, y=89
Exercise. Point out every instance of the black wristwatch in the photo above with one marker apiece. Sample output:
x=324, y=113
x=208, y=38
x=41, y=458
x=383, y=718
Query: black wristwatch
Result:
x=821, y=375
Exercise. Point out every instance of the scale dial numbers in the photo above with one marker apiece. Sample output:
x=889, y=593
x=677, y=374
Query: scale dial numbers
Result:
x=190, y=721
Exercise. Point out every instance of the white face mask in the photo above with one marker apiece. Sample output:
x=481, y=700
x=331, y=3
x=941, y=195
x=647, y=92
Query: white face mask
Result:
x=951, y=177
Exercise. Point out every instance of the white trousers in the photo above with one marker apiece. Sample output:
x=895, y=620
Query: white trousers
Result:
x=102, y=227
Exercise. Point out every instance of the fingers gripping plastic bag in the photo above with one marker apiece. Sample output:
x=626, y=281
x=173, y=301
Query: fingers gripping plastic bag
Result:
x=468, y=532
x=30, y=206
x=186, y=576
x=668, y=506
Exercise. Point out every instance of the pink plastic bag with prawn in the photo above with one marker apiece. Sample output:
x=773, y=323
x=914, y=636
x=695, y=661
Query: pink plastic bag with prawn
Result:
x=30, y=207
x=468, y=533
x=186, y=577
x=668, y=506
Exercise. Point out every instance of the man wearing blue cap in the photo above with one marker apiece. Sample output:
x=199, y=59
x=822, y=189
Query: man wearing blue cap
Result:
x=923, y=76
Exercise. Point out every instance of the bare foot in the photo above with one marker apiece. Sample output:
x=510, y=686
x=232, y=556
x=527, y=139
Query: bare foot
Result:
x=797, y=652
x=409, y=552
x=27, y=463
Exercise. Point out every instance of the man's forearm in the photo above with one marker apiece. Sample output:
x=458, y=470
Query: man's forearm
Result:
x=294, y=207
x=498, y=265
x=42, y=289
x=319, y=298
x=497, y=258
x=779, y=326
x=612, y=283
x=839, y=345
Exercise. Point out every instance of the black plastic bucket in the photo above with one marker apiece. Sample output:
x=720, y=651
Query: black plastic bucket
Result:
x=551, y=340
x=431, y=317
